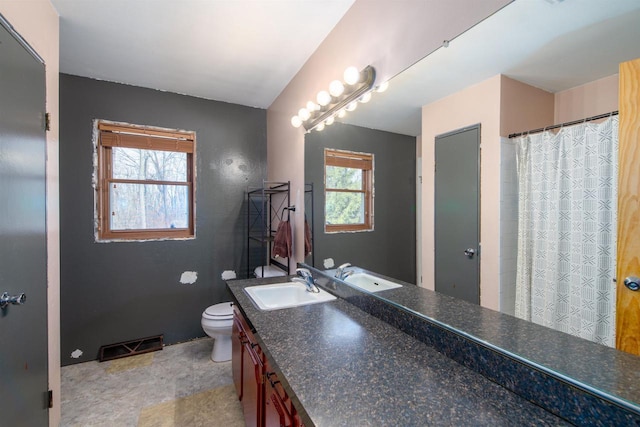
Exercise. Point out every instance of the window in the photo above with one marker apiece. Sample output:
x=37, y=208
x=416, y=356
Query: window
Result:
x=145, y=183
x=348, y=183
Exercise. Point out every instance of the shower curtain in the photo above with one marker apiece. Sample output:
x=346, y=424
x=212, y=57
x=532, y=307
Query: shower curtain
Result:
x=567, y=202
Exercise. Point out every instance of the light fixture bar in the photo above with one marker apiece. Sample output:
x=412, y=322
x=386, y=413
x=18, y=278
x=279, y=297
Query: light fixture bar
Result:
x=351, y=94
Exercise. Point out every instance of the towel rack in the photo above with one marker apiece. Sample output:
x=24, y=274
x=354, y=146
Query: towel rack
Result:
x=288, y=208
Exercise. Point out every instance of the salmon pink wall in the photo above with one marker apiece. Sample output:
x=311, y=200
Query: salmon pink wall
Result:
x=524, y=107
x=588, y=100
x=38, y=23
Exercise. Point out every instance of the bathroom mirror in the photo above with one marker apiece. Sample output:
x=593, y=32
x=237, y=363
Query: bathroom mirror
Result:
x=389, y=247
x=550, y=45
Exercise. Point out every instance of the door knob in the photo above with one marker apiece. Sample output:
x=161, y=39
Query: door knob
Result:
x=633, y=283
x=6, y=299
x=469, y=252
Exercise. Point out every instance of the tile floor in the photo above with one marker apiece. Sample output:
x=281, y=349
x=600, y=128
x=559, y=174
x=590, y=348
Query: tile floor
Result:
x=175, y=387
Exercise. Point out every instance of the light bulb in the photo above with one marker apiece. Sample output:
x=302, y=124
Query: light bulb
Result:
x=330, y=121
x=304, y=114
x=383, y=87
x=296, y=121
x=342, y=113
x=323, y=98
x=351, y=76
x=320, y=127
x=352, y=106
x=336, y=88
x=365, y=98
x=312, y=106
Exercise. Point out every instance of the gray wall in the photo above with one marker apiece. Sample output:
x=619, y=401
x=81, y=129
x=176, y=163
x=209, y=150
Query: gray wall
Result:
x=113, y=292
x=391, y=248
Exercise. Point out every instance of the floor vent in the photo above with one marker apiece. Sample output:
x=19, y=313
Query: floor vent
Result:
x=130, y=348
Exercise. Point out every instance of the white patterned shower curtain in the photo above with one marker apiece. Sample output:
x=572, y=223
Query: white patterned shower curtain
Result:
x=567, y=184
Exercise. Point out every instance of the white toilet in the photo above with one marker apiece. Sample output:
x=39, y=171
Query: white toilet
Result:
x=217, y=322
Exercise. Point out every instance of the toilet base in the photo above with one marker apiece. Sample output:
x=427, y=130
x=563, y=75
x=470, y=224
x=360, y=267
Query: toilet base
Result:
x=221, y=351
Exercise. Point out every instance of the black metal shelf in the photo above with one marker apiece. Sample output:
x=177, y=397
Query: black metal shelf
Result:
x=268, y=206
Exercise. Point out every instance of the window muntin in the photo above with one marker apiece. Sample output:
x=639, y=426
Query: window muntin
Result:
x=145, y=188
x=348, y=191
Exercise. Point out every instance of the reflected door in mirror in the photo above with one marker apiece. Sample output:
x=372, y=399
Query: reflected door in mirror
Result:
x=457, y=196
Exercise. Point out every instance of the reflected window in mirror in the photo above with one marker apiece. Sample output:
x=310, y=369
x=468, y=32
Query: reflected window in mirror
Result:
x=348, y=180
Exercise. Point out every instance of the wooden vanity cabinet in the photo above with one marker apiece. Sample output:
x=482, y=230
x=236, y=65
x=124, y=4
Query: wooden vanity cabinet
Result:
x=264, y=401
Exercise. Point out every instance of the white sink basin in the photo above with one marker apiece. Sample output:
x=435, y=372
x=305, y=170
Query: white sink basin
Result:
x=285, y=295
x=370, y=283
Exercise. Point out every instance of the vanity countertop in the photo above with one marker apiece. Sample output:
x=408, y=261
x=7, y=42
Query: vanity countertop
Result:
x=603, y=370
x=344, y=367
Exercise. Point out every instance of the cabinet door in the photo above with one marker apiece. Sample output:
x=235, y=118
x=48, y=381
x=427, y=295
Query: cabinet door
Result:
x=251, y=386
x=277, y=405
x=237, y=347
x=274, y=409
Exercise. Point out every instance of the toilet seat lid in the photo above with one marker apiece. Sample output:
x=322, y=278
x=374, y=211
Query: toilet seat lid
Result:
x=223, y=310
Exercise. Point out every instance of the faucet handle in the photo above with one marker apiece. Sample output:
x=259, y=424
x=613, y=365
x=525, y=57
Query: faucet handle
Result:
x=303, y=272
x=307, y=278
x=340, y=270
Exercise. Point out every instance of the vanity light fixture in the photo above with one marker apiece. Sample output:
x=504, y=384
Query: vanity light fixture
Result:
x=365, y=98
x=340, y=98
x=383, y=86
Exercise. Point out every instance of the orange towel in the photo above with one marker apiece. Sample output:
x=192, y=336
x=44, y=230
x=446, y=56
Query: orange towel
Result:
x=282, y=240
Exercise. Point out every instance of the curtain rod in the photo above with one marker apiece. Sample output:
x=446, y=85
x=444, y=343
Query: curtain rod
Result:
x=575, y=122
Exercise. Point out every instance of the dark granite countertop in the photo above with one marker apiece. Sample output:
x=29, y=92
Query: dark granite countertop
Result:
x=344, y=367
x=602, y=370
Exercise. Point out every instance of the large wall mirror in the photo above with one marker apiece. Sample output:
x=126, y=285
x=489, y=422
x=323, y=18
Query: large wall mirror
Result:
x=550, y=45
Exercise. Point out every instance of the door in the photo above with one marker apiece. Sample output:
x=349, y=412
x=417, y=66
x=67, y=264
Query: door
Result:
x=251, y=385
x=457, y=201
x=276, y=402
x=23, y=256
x=419, y=221
x=628, y=242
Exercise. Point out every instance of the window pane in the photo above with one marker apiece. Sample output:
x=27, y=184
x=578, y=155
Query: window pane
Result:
x=146, y=206
x=344, y=178
x=344, y=208
x=156, y=165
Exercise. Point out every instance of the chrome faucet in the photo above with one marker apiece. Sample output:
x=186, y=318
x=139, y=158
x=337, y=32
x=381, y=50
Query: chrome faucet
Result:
x=307, y=279
x=341, y=274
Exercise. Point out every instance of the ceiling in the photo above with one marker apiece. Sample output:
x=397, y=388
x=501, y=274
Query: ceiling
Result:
x=239, y=51
x=550, y=44
x=247, y=51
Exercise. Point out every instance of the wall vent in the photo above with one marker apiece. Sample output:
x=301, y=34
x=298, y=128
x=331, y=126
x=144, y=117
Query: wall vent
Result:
x=130, y=348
